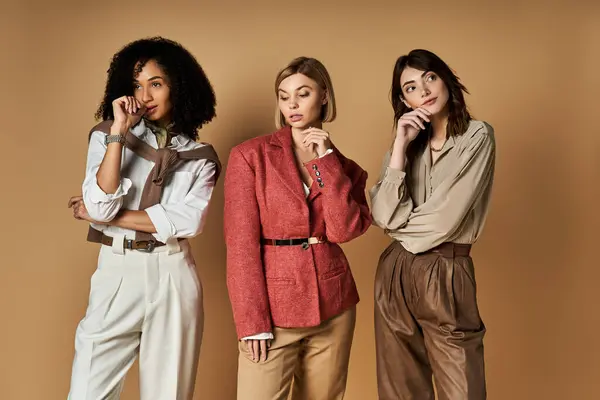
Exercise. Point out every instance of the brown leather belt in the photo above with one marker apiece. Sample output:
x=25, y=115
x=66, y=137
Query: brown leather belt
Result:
x=449, y=249
x=129, y=244
x=304, y=242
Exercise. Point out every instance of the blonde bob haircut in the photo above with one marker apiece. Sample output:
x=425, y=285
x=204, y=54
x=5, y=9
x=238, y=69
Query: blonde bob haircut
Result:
x=316, y=71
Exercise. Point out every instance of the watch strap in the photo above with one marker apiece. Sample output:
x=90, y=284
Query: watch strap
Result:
x=114, y=139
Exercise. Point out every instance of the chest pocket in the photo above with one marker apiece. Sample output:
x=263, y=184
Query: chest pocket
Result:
x=178, y=185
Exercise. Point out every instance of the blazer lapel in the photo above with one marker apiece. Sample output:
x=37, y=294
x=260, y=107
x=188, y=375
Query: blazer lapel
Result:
x=281, y=157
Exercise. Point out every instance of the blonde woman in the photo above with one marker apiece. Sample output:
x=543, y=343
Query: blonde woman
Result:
x=291, y=198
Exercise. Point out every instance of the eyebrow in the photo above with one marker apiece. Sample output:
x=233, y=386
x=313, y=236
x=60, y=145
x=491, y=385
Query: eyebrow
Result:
x=301, y=87
x=422, y=75
x=154, y=78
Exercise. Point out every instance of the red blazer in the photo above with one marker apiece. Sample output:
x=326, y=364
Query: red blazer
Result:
x=288, y=286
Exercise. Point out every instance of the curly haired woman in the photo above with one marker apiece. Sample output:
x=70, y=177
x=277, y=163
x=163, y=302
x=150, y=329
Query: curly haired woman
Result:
x=147, y=187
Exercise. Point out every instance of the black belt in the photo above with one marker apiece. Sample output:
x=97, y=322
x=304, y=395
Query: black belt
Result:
x=304, y=242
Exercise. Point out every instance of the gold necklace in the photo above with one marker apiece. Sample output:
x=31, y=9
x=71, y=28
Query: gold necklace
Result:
x=299, y=154
x=434, y=149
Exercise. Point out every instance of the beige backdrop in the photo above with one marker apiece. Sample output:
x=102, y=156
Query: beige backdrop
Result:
x=532, y=68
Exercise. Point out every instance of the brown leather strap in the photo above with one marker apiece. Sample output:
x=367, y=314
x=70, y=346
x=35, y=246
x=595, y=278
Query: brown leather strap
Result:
x=96, y=236
x=164, y=162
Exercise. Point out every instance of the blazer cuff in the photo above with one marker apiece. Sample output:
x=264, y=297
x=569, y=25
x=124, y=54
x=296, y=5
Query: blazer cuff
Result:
x=324, y=169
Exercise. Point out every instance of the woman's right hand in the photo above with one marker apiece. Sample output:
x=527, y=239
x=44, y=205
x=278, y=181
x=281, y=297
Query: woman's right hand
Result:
x=258, y=349
x=127, y=111
x=410, y=124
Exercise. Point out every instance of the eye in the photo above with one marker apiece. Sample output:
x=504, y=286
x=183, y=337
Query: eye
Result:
x=409, y=89
x=282, y=98
x=304, y=94
x=431, y=78
x=136, y=86
x=156, y=84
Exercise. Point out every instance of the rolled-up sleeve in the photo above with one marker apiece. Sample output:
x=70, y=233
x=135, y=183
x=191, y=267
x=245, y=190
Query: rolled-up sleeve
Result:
x=186, y=219
x=101, y=206
x=391, y=203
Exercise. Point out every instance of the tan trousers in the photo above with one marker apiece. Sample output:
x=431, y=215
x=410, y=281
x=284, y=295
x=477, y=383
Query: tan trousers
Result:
x=312, y=363
x=140, y=303
x=427, y=323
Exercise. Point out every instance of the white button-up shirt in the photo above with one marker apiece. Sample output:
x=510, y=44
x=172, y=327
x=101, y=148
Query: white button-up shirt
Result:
x=181, y=212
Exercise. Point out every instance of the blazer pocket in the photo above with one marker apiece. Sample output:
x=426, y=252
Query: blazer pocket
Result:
x=333, y=273
x=281, y=281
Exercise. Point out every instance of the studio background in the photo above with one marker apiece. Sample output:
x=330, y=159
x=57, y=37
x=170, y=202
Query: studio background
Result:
x=531, y=68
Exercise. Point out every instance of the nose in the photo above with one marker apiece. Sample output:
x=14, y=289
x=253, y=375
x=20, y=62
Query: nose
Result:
x=146, y=96
x=425, y=92
x=293, y=104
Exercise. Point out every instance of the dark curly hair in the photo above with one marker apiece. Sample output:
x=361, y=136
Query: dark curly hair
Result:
x=192, y=95
x=458, y=114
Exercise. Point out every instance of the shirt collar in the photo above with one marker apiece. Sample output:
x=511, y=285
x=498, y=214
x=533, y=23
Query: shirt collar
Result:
x=141, y=129
x=182, y=140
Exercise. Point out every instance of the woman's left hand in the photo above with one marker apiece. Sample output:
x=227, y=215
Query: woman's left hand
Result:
x=79, y=209
x=318, y=139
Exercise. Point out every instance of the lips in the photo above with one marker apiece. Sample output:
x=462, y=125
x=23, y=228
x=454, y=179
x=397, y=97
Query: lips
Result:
x=150, y=110
x=429, y=102
x=295, y=117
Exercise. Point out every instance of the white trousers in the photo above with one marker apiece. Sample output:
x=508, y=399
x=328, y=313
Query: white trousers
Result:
x=140, y=303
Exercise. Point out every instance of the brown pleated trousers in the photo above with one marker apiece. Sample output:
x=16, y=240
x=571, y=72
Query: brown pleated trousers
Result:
x=427, y=324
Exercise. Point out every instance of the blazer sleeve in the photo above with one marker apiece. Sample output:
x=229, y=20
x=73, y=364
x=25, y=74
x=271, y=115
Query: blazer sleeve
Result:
x=246, y=281
x=342, y=184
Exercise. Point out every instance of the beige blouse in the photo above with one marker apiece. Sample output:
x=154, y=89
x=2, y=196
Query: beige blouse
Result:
x=444, y=202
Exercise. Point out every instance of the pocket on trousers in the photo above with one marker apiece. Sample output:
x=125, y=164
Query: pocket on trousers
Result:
x=104, y=289
x=185, y=277
x=465, y=293
x=469, y=270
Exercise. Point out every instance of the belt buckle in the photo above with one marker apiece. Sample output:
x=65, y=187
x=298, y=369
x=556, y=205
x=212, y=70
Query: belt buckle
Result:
x=305, y=245
x=129, y=244
x=150, y=244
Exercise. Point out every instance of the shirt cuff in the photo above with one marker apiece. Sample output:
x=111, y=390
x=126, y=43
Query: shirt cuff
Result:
x=97, y=195
x=329, y=151
x=165, y=229
x=394, y=175
x=260, y=336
